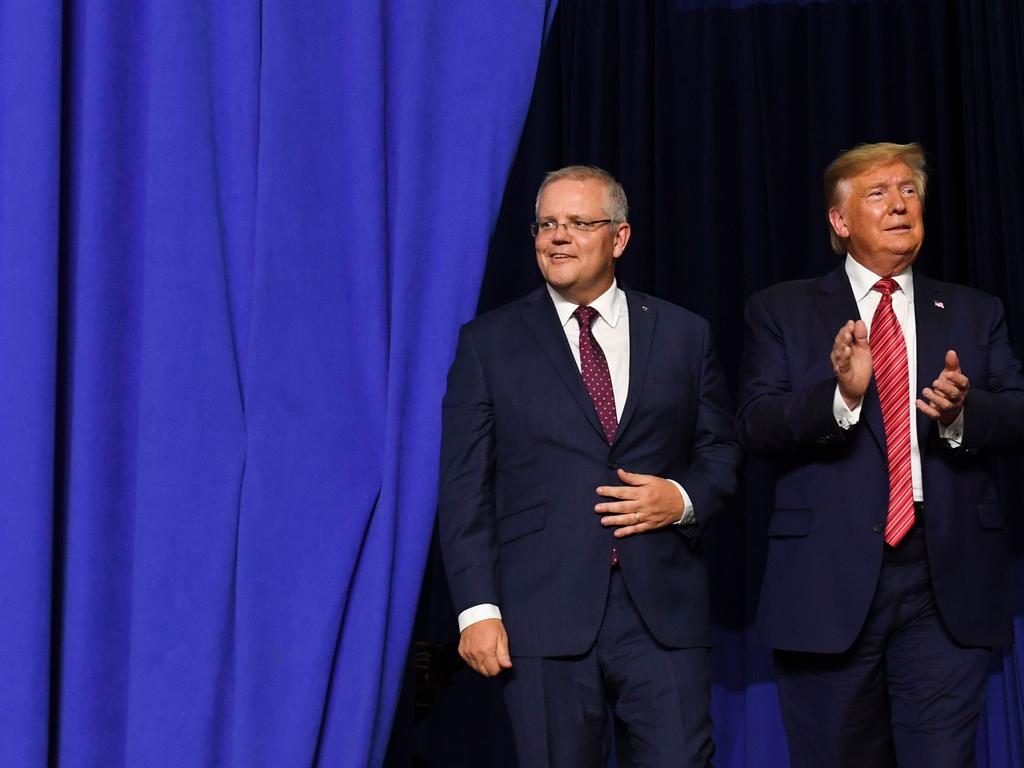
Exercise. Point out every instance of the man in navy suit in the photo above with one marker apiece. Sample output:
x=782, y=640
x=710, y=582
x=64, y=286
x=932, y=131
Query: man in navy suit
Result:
x=886, y=580
x=587, y=440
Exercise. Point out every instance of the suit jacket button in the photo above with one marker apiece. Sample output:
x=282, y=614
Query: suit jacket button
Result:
x=879, y=528
x=825, y=439
x=612, y=465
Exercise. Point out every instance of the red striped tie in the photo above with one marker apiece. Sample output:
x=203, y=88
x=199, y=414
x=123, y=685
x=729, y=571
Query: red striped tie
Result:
x=889, y=360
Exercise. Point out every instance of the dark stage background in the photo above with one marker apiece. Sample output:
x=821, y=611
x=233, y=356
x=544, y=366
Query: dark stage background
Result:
x=719, y=118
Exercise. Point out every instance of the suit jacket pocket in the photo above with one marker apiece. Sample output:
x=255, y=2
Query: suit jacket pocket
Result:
x=991, y=517
x=790, y=522
x=522, y=522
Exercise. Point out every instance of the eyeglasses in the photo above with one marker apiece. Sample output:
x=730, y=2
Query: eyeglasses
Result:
x=548, y=227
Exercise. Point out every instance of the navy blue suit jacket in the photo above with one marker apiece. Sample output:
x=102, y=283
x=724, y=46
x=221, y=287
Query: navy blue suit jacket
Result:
x=522, y=453
x=831, y=493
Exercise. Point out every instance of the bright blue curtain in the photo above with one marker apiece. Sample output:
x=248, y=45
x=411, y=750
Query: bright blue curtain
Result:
x=236, y=239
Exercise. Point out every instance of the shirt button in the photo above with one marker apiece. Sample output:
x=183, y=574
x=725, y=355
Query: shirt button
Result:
x=879, y=528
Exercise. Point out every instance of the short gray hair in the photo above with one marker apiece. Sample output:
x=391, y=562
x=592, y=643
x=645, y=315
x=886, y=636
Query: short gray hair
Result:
x=616, y=207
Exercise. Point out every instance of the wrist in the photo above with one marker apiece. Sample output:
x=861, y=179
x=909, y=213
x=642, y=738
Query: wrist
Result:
x=852, y=399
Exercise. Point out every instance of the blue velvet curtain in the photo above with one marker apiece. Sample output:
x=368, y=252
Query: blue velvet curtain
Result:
x=236, y=240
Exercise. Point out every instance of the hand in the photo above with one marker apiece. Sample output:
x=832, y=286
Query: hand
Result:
x=945, y=398
x=647, y=502
x=484, y=646
x=851, y=361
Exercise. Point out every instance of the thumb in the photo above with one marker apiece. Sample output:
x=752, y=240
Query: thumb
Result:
x=952, y=361
x=860, y=333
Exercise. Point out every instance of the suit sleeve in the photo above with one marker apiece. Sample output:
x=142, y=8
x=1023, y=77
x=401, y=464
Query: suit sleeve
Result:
x=773, y=418
x=711, y=476
x=466, y=498
x=994, y=411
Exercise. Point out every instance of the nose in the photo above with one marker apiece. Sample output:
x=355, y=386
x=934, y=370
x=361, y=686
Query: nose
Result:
x=561, y=233
x=897, y=203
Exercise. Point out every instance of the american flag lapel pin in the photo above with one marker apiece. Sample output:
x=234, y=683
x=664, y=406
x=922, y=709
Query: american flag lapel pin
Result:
x=939, y=304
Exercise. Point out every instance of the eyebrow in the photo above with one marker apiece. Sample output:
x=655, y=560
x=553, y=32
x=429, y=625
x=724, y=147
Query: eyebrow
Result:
x=900, y=183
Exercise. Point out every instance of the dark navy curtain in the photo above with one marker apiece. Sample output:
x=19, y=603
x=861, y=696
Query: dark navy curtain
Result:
x=236, y=241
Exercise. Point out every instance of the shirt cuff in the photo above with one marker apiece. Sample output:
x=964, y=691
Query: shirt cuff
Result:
x=954, y=433
x=846, y=417
x=689, y=516
x=478, y=613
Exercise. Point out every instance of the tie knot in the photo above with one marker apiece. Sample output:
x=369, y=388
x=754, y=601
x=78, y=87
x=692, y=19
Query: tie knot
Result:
x=886, y=286
x=585, y=316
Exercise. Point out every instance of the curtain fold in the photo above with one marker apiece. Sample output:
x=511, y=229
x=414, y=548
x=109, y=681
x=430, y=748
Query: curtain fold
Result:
x=30, y=172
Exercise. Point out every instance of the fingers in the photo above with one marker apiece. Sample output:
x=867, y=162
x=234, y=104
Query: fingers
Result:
x=637, y=519
x=851, y=336
x=633, y=482
x=945, y=398
x=956, y=378
x=630, y=530
x=937, y=399
x=842, y=344
x=928, y=410
x=939, y=405
x=624, y=521
x=617, y=507
x=632, y=524
x=946, y=389
x=652, y=503
x=618, y=491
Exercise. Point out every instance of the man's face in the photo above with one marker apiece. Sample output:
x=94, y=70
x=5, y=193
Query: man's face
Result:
x=579, y=265
x=881, y=217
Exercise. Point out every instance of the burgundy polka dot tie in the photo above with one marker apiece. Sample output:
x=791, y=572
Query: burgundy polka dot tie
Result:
x=598, y=381
x=596, y=376
x=889, y=361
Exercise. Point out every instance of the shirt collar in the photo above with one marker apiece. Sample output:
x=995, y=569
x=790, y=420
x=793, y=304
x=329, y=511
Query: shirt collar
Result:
x=862, y=279
x=608, y=304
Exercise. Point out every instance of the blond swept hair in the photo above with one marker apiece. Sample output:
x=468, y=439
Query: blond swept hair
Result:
x=616, y=207
x=864, y=157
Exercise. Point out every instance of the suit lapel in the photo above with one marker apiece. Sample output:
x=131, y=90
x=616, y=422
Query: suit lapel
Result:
x=932, y=320
x=837, y=304
x=642, y=321
x=542, y=319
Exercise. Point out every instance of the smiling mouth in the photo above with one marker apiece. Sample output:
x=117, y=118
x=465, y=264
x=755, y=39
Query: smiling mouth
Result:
x=899, y=228
x=560, y=256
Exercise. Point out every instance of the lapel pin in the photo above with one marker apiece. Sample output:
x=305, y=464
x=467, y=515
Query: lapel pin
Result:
x=939, y=304
x=644, y=308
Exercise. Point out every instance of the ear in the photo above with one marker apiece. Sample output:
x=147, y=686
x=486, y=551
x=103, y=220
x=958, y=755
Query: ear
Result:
x=838, y=222
x=621, y=239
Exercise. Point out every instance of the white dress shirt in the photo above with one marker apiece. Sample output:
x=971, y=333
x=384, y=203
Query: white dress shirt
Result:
x=862, y=280
x=611, y=330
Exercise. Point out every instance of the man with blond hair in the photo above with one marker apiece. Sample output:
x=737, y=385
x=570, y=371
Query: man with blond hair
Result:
x=881, y=394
